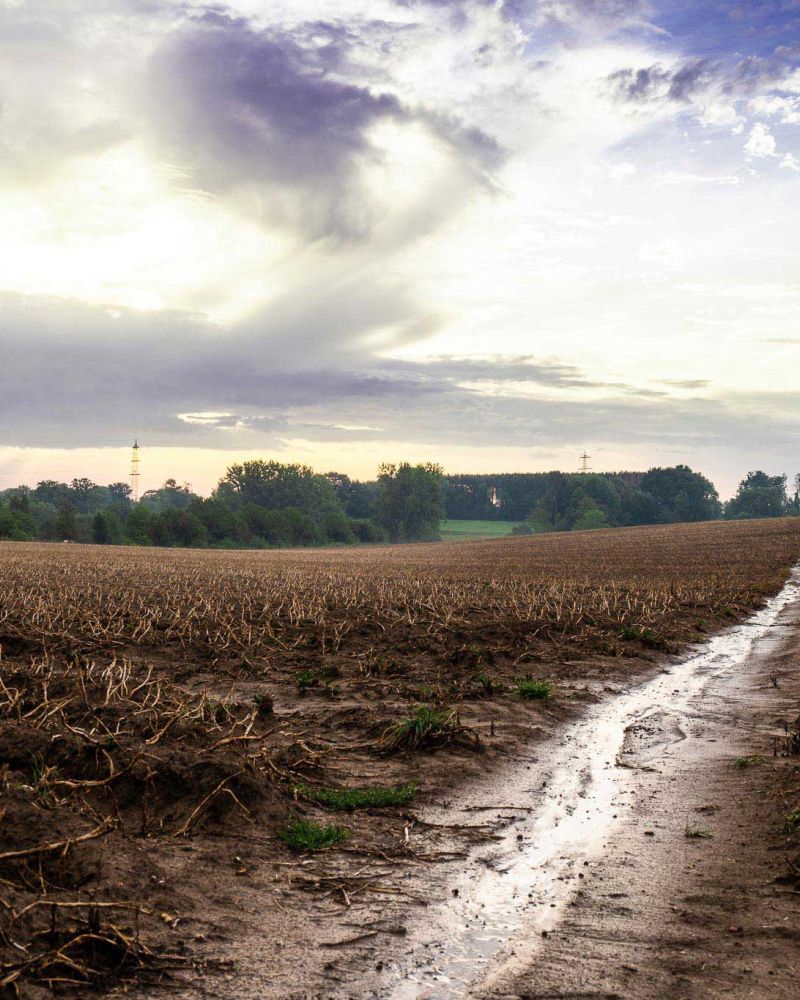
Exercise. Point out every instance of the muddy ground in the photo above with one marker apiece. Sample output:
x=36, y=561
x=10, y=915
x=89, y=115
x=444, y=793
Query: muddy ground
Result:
x=147, y=775
x=695, y=895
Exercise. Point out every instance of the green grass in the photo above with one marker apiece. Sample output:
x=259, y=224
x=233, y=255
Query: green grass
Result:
x=348, y=799
x=532, y=690
x=646, y=636
x=460, y=530
x=428, y=725
x=751, y=761
x=303, y=835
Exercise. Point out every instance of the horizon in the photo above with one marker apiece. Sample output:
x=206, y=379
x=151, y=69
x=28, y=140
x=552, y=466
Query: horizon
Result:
x=485, y=233
x=205, y=487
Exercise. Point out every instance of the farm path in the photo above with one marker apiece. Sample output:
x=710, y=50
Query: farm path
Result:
x=686, y=900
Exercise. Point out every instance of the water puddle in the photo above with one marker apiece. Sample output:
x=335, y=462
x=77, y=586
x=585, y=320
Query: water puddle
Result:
x=526, y=881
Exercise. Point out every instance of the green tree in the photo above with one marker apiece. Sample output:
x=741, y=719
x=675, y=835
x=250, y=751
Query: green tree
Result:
x=682, y=495
x=336, y=528
x=170, y=496
x=66, y=522
x=759, y=495
x=276, y=486
x=555, y=510
x=590, y=520
x=101, y=528
x=137, y=526
x=409, y=502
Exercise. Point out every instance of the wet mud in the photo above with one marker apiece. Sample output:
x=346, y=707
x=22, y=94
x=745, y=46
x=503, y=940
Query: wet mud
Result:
x=624, y=789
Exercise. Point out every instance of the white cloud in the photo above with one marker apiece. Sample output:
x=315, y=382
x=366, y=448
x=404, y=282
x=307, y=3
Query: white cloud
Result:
x=771, y=104
x=720, y=114
x=761, y=142
x=790, y=162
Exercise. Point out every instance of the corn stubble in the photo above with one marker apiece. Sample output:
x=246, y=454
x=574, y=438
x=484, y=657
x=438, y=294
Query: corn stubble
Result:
x=108, y=737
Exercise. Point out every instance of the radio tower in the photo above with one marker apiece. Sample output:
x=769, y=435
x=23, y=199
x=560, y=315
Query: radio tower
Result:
x=135, y=472
x=584, y=466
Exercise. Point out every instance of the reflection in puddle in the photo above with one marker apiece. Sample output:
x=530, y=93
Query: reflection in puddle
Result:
x=527, y=880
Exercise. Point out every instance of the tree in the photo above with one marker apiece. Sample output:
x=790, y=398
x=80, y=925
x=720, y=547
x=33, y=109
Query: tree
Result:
x=638, y=507
x=83, y=493
x=354, y=497
x=66, y=523
x=681, y=494
x=120, y=494
x=137, y=526
x=590, y=520
x=554, y=512
x=336, y=528
x=759, y=495
x=409, y=502
x=276, y=486
x=49, y=491
x=101, y=529
x=170, y=496
x=795, y=504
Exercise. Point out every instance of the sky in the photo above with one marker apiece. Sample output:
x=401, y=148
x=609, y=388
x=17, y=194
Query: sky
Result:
x=488, y=233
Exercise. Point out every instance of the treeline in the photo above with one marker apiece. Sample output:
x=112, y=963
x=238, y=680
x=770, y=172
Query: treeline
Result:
x=256, y=504
x=263, y=504
x=557, y=501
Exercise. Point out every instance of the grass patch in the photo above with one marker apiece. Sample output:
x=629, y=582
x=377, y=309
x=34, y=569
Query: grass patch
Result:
x=531, y=690
x=752, y=760
x=304, y=835
x=348, y=799
x=646, y=636
x=460, y=530
x=306, y=679
x=792, y=822
x=428, y=726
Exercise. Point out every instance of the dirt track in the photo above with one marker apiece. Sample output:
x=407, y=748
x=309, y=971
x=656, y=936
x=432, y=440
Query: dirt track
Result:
x=666, y=915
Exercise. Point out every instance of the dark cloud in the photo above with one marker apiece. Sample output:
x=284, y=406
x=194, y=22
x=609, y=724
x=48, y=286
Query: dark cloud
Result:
x=80, y=376
x=656, y=83
x=696, y=78
x=269, y=116
x=75, y=374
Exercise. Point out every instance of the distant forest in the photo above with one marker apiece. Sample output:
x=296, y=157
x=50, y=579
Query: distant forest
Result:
x=262, y=504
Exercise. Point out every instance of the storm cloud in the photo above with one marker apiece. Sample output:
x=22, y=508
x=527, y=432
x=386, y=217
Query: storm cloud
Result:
x=272, y=117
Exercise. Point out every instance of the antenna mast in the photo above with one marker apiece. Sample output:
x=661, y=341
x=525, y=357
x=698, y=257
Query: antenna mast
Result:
x=135, y=472
x=584, y=466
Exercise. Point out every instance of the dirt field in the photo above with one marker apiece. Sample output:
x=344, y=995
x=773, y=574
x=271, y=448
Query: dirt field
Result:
x=168, y=717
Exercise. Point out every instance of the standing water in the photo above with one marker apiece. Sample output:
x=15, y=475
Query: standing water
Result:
x=524, y=883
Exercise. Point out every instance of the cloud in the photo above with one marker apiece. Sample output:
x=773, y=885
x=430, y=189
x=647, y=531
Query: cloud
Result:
x=271, y=118
x=178, y=379
x=708, y=87
x=761, y=143
x=790, y=162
